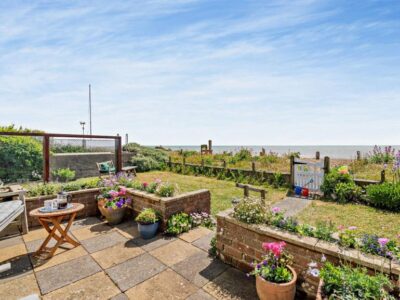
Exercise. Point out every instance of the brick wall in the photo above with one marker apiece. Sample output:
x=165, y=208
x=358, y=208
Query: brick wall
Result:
x=196, y=201
x=239, y=244
x=86, y=197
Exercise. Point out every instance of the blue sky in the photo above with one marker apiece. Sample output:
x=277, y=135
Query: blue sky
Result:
x=184, y=71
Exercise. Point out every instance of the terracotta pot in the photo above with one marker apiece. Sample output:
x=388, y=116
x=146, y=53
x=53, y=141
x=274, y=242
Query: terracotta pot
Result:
x=113, y=216
x=276, y=291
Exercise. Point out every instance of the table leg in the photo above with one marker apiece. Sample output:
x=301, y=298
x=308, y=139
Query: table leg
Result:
x=51, y=232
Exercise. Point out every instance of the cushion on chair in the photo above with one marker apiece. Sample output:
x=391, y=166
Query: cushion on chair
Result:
x=9, y=210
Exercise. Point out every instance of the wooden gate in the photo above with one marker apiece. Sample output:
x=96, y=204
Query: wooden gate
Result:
x=308, y=174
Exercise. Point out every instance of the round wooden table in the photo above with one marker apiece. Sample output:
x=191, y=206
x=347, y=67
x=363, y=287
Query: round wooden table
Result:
x=55, y=218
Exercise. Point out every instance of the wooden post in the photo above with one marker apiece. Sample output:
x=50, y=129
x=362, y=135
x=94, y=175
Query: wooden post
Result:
x=170, y=162
x=184, y=161
x=224, y=163
x=327, y=163
x=383, y=176
x=253, y=166
x=262, y=192
x=118, y=146
x=317, y=155
x=291, y=171
x=202, y=163
x=209, y=146
x=358, y=155
x=246, y=191
x=46, y=158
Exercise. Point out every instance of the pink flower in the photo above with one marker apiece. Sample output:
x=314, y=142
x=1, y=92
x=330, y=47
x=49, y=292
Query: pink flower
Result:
x=340, y=227
x=158, y=181
x=383, y=241
x=145, y=184
x=275, y=248
x=352, y=228
x=113, y=193
x=122, y=191
x=276, y=210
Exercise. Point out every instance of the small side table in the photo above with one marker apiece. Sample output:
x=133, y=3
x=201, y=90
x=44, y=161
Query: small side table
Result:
x=57, y=232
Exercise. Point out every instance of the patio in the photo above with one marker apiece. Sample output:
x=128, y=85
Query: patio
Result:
x=115, y=263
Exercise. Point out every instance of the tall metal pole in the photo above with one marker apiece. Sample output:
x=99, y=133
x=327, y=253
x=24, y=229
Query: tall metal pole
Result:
x=90, y=109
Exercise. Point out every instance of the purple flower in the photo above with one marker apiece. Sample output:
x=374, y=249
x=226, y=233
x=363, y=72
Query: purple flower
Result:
x=276, y=210
x=383, y=241
x=352, y=228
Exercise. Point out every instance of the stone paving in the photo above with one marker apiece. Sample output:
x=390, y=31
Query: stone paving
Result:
x=293, y=205
x=113, y=262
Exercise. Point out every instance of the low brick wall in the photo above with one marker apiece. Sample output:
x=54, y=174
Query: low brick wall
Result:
x=86, y=197
x=240, y=244
x=196, y=201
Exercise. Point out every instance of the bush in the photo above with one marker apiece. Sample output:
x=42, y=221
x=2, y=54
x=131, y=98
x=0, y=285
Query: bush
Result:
x=145, y=164
x=178, y=223
x=165, y=190
x=64, y=175
x=324, y=231
x=148, y=216
x=385, y=195
x=146, y=158
x=333, y=178
x=346, y=282
x=250, y=211
x=42, y=189
x=21, y=158
x=379, y=156
x=347, y=192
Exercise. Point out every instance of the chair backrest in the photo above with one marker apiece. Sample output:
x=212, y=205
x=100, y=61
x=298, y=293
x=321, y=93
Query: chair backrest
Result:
x=105, y=166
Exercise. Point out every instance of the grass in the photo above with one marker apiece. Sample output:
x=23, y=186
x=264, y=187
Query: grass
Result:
x=366, y=218
x=222, y=192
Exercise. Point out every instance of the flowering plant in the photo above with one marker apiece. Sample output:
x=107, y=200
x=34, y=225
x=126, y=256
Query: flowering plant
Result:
x=380, y=246
x=274, y=266
x=114, y=197
x=202, y=219
x=178, y=223
x=380, y=156
x=148, y=216
x=347, y=236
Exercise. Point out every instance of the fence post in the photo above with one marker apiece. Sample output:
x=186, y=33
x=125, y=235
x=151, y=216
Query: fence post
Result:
x=383, y=176
x=46, y=158
x=170, y=162
x=224, y=163
x=262, y=192
x=317, y=155
x=184, y=161
x=253, y=166
x=358, y=155
x=327, y=163
x=246, y=191
x=291, y=171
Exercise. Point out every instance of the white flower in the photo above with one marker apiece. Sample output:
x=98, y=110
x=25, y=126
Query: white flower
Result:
x=314, y=272
x=313, y=264
x=323, y=258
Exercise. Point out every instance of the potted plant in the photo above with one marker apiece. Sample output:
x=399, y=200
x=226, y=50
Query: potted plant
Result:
x=148, y=222
x=275, y=279
x=112, y=203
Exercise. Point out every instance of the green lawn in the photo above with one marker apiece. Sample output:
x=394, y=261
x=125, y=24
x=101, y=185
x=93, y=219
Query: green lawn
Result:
x=366, y=218
x=222, y=192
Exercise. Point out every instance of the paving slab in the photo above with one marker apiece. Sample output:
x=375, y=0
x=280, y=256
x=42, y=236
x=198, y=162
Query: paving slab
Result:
x=204, y=242
x=33, y=246
x=232, y=284
x=195, y=234
x=200, y=295
x=41, y=264
x=81, y=223
x=103, y=241
x=92, y=231
x=174, y=252
x=128, y=229
x=166, y=285
x=19, y=288
x=121, y=296
x=18, y=266
x=134, y=271
x=11, y=252
x=97, y=286
x=200, y=268
x=35, y=234
x=154, y=243
x=117, y=254
x=11, y=241
x=66, y=273
x=292, y=205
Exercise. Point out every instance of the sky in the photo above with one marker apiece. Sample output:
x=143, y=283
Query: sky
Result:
x=184, y=71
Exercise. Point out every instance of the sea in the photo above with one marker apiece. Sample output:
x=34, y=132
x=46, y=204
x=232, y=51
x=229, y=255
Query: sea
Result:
x=334, y=151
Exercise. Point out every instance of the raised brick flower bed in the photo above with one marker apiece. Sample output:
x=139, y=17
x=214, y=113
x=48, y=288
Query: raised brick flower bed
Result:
x=239, y=244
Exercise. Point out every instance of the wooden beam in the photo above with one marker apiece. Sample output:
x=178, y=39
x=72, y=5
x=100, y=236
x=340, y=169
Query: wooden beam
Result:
x=46, y=158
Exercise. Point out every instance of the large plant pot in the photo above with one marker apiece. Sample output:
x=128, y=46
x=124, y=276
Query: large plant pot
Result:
x=276, y=291
x=113, y=216
x=148, y=231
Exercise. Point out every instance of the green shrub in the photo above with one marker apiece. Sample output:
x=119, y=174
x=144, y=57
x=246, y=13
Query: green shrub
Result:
x=385, y=195
x=250, y=211
x=306, y=230
x=152, y=187
x=165, y=190
x=347, y=191
x=178, y=223
x=324, y=230
x=43, y=189
x=146, y=158
x=213, y=247
x=145, y=164
x=279, y=180
x=64, y=175
x=346, y=282
x=148, y=216
x=333, y=178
